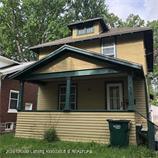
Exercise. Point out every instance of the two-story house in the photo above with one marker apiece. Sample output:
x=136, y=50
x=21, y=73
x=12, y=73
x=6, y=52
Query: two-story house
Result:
x=93, y=75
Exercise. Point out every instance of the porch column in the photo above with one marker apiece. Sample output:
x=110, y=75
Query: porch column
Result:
x=130, y=93
x=21, y=96
x=68, y=89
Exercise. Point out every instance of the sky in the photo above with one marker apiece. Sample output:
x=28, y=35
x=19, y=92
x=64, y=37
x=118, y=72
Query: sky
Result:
x=146, y=9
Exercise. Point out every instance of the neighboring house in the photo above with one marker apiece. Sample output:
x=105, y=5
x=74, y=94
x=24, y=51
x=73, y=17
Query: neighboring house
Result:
x=154, y=114
x=9, y=94
x=95, y=74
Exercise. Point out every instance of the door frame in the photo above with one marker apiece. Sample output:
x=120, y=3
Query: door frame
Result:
x=106, y=99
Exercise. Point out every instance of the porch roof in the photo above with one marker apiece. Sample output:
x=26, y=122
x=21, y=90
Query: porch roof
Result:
x=120, y=64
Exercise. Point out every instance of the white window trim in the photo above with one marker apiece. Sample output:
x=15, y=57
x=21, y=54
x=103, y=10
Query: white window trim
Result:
x=65, y=95
x=13, y=110
x=11, y=127
x=85, y=29
x=114, y=45
x=108, y=95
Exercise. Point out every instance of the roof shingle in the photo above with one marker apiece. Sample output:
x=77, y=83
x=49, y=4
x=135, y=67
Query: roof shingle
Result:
x=111, y=32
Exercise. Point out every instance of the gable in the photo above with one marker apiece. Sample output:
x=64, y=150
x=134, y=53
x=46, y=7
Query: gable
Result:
x=71, y=63
x=68, y=58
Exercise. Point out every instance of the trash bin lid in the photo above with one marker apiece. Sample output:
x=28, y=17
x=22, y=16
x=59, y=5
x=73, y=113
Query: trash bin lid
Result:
x=120, y=121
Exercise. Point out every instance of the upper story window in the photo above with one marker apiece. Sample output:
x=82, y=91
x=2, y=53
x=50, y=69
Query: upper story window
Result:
x=108, y=47
x=85, y=30
x=13, y=101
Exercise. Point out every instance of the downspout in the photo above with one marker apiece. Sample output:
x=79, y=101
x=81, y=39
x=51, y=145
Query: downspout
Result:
x=146, y=97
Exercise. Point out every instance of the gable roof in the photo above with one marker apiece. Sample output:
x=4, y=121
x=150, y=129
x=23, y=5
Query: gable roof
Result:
x=70, y=49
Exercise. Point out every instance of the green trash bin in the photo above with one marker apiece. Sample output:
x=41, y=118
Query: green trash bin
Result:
x=119, y=132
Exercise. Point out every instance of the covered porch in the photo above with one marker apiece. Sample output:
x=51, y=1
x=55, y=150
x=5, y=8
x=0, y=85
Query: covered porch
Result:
x=86, y=90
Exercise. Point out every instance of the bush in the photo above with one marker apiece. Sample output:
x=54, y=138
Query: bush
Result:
x=50, y=135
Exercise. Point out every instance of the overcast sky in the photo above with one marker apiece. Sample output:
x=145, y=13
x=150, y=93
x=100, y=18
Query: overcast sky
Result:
x=146, y=9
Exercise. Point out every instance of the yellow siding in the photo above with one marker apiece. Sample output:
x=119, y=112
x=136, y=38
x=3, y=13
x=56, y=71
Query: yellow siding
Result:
x=132, y=49
x=72, y=126
x=47, y=96
x=69, y=63
x=45, y=51
x=94, y=45
x=139, y=90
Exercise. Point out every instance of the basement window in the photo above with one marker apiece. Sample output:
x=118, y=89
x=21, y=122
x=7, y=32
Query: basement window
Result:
x=9, y=126
x=13, y=101
x=62, y=97
x=108, y=47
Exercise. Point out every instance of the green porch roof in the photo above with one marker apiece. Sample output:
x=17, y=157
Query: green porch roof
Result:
x=120, y=64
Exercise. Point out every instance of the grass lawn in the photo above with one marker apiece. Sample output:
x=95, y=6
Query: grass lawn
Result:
x=10, y=146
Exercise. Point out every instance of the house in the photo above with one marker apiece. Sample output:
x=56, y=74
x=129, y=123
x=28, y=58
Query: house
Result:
x=9, y=94
x=93, y=75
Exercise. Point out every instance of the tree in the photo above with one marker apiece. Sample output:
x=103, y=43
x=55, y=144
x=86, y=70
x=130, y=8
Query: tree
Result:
x=24, y=23
x=114, y=21
x=11, y=23
x=154, y=26
x=134, y=21
x=87, y=9
x=154, y=75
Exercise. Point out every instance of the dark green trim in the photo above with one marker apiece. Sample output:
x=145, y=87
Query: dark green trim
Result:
x=130, y=93
x=21, y=96
x=66, y=49
x=146, y=97
x=90, y=72
x=80, y=111
x=68, y=89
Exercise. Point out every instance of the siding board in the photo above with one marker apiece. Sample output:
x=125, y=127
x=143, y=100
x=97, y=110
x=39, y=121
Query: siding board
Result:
x=72, y=126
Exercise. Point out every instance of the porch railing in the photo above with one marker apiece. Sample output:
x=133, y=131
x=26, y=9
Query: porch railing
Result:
x=152, y=132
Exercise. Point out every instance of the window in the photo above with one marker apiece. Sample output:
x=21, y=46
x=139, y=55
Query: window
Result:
x=62, y=97
x=108, y=47
x=114, y=96
x=28, y=106
x=9, y=126
x=13, y=100
x=85, y=30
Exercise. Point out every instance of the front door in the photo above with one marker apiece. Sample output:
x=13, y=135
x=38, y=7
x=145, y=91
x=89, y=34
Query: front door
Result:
x=114, y=96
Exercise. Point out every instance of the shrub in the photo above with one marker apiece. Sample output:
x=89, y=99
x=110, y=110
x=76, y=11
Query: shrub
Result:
x=50, y=135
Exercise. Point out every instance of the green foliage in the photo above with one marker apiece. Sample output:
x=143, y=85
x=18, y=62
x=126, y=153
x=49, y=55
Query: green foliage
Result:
x=155, y=101
x=134, y=21
x=153, y=77
x=24, y=23
x=154, y=26
x=87, y=9
x=8, y=142
x=50, y=135
x=114, y=21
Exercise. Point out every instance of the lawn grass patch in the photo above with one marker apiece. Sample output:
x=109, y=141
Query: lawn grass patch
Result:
x=9, y=143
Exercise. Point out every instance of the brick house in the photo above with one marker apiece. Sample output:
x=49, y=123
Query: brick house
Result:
x=9, y=94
